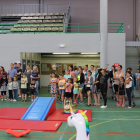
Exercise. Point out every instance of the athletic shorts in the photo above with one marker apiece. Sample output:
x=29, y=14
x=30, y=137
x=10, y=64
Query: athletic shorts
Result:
x=68, y=95
x=19, y=83
x=81, y=86
x=133, y=92
x=24, y=91
x=61, y=91
x=3, y=93
x=88, y=89
x=75, y=91
x=122, y=92
x=32, y=93
x=116, y=88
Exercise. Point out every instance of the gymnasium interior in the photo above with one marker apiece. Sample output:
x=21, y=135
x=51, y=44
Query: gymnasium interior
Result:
x=69, y=33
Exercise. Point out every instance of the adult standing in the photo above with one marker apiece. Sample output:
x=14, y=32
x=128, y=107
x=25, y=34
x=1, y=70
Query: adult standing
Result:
x=36, y=76
x=53, y=71
x=117, y=76
x=72, y=73
x=11, y=71
x=85, y=75
x=81, y=84
x=112, y=72
x=94, y=74
x=2, y=71
x=19, y=72
x=28, y=74
x=102, y=80
x=76, y=71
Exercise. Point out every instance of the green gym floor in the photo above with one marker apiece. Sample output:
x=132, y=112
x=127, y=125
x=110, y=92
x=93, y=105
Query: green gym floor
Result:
x=112, y=123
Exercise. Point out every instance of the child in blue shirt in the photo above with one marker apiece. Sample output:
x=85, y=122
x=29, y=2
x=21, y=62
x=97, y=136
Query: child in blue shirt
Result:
x=67, y=76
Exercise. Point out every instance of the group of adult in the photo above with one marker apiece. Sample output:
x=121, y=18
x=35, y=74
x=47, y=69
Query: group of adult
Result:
x=16, y=71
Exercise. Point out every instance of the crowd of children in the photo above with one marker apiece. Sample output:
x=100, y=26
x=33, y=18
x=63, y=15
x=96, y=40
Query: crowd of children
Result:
x=94, y=84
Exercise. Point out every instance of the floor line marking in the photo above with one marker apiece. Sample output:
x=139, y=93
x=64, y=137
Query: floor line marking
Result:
x=105, y=122
x=63, y=132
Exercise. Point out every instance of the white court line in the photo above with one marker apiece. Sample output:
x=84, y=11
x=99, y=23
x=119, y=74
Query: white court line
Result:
x=116, y=119
x=116, y=111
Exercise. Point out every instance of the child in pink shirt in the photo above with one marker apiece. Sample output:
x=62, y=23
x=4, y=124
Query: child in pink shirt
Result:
x=68, y=91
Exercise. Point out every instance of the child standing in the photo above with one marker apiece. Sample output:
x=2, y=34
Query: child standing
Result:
x=137, y=75
x=89, y=83
x=122, y=92
x=61, y=85
x=15, y=89
x=128, y=83
x=4, y=83
x=53, y=82
x=75, y=90
x=24, y=88
x=10, y=89
x=67, y=76
x=68, y=91
x=33, y=87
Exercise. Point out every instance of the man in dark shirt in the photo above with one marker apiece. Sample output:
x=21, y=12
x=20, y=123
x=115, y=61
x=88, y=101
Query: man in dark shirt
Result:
x=53, y=71
x=19, y=71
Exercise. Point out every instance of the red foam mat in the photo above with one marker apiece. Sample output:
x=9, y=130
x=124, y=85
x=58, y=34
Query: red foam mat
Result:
x=57, y=115
x=32, y=125
x=12, y=113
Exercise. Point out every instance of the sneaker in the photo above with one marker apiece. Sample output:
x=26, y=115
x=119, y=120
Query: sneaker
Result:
x=128, y=107
x=67, y=101
x=81, y=102
x=117, y=103
x=134, y=105
x=11, y=100
x=32, y=100
x=14, y=100
x=29, y=96
x=62, y=102
x=84, y=97
x=5, y=99
x=19, y=96
x=1, y=99
x=104, y=106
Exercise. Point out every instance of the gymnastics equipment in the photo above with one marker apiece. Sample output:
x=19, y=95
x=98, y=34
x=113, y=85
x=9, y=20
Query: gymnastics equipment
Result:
x=58, y=115
x=40, y=109
x=7, y=113
x=32, y=125
x=80, y=122
x=18, y=133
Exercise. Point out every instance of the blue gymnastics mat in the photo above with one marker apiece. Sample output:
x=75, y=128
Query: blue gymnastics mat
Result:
x=39, y=109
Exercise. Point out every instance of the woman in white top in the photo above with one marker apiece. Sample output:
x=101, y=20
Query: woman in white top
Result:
x=116, y=77
x=128, y=82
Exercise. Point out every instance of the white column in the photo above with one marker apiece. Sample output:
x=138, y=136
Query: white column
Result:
x=103, y=32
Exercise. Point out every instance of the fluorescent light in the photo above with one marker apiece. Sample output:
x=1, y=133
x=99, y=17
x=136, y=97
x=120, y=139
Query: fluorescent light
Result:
x=60, y=53
x=89, y=53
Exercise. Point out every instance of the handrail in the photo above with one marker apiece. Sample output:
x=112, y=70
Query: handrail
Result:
x=59, y=28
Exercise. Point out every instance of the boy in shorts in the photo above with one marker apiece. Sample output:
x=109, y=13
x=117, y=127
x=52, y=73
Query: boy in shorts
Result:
x=33, y=87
